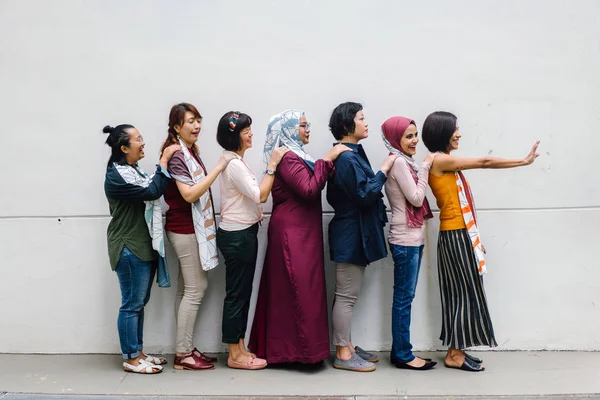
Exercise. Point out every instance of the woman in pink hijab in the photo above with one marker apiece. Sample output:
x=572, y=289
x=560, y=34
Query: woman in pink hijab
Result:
x=405, y=190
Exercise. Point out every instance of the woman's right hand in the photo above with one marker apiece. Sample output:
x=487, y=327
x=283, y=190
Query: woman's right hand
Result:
x=388, y=163
x=277, y=155
x=224, y=161
x=169, y=151
x=335, y=152
x=429, y=158
x=532, y=154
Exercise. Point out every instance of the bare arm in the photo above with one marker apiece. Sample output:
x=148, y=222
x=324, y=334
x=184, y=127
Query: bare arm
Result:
x=191, y=193
x=446, y=163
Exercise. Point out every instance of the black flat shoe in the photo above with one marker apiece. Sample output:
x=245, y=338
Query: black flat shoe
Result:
x=394, y=361
x=428, y=365
x=473, y=358
x=468, y=365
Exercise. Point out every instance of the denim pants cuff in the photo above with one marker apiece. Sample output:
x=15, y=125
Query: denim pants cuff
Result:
x=131, y=355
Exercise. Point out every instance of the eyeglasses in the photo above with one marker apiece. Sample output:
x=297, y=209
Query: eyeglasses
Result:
x=306, y=126
x=139, y=139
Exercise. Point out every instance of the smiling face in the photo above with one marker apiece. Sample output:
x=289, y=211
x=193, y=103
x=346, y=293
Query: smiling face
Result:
x=304, y=130
x=189, y=129
x=409, y=140
x=454, y=140
x=246, y=138
x=135, y=151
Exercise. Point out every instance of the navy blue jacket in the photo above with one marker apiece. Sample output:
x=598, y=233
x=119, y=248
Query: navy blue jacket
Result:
x=355, y=193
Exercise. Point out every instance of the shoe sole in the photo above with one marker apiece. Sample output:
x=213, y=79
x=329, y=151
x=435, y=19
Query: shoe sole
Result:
x=248, y=369
x=183, y=367
x=368, y=369
x=466, y=370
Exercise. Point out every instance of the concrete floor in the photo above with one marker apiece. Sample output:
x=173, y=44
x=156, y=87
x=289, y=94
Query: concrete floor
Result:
x=521, y=374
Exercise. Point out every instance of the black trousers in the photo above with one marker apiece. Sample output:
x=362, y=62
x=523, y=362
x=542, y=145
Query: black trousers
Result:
x=239, y=249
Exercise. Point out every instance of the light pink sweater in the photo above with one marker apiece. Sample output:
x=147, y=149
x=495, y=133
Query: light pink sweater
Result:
x=240, y=196
x=399, y=188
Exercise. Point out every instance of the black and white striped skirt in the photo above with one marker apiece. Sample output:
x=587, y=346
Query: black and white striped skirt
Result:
x=466, y=320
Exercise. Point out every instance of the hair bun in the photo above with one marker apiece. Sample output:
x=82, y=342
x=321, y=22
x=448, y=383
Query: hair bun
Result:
x=108, y=129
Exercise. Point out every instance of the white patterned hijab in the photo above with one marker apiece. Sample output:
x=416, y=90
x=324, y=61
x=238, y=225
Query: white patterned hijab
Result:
x=283, y=130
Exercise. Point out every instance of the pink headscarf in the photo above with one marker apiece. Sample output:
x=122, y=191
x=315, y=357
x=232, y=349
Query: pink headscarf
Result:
x=393, y=130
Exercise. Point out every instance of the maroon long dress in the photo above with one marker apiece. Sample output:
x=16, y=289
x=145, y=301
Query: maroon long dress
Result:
x=290, y=323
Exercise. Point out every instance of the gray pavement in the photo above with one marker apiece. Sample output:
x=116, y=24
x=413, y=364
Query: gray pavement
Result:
x=555, y=375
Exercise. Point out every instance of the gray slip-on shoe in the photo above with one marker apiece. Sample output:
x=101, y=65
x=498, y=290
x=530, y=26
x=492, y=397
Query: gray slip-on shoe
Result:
x=365, y=355
x=355, y=363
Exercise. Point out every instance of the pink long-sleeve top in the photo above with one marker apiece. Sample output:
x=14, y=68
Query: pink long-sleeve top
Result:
x=240, y=196
x=400, y=188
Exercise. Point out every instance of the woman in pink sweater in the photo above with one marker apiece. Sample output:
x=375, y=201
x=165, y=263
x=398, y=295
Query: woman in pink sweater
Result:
x=405, y=190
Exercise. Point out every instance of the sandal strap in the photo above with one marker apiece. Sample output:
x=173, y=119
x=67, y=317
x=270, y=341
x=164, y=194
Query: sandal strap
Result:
x=144, y=365
x=155, y=360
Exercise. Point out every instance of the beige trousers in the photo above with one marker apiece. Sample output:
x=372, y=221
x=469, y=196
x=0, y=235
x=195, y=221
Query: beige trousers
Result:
x=192, y=284
x=348, y=280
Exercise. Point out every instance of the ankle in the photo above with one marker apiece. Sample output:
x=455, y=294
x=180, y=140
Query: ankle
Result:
x=343, y=352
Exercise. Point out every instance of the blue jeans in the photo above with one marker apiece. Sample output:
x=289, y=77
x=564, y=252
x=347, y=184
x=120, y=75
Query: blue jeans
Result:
x=135, y=277
x=407, y=262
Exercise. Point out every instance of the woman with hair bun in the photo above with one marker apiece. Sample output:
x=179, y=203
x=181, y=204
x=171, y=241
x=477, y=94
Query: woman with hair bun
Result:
x=131, y=195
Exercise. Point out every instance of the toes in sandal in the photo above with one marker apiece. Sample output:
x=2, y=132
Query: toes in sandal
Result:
x=155, y=360
x=143, y=368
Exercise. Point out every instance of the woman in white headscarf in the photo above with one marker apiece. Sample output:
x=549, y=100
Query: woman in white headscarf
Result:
x=290, y=323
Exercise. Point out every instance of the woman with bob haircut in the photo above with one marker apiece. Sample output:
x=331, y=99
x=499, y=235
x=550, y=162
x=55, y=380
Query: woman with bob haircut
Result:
x=241, y=198
x=191, y=229
x=356, y=236
x=466, y=319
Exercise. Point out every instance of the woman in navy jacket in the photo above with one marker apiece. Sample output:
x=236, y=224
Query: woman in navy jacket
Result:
x=356, y=236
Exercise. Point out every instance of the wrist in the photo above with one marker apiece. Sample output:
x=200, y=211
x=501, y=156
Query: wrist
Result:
x=272, y=165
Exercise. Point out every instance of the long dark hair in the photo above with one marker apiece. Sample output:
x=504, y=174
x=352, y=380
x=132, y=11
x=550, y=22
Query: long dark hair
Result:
x=117, y=137
x=176, y=117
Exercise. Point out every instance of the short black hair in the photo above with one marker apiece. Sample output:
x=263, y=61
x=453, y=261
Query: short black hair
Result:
x=341, y=122
x=229, y=128
x=437, y=130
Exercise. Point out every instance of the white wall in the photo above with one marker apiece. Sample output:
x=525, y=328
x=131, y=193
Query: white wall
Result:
x=512, y=71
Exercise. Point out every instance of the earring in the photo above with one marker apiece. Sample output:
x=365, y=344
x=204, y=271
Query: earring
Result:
x=126, y=152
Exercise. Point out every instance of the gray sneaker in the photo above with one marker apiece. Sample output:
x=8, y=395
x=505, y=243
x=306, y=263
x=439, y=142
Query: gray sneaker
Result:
x=355, y=363
x=365, y=355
